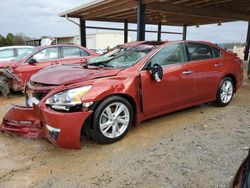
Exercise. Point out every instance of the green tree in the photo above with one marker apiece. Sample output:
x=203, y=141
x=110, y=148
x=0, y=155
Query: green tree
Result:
x=9, y=40
x=2, y=40
x=19, y=39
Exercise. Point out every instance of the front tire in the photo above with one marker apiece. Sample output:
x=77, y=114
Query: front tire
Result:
x=112, y=119
x=225, y=92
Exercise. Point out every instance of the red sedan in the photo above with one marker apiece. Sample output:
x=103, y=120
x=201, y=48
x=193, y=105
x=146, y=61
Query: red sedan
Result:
x=130, y=84
x=15, y=74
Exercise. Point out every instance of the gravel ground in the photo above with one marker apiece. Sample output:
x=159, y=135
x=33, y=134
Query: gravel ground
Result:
x=199, y=147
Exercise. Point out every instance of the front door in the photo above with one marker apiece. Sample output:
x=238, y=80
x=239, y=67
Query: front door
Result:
x=176, y=87
x=44, y=58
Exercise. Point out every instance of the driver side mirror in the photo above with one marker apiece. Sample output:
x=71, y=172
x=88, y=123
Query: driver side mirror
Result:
x=32, y=61
x=156, y=72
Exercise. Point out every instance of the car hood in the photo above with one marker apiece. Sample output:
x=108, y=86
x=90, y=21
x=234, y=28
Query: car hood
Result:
x=65, y=74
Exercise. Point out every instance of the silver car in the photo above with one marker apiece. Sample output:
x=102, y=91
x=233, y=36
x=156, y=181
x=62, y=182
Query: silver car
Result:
x=9, y=53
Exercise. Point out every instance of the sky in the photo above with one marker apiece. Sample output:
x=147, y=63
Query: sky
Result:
x=36, y=18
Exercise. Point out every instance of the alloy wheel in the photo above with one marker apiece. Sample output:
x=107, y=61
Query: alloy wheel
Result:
x=114, y=120
x=226, y=92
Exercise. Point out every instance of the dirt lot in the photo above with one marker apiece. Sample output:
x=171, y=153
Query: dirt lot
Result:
x=198, y=147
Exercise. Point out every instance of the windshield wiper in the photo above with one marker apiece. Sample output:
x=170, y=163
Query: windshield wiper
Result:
x=105, y=65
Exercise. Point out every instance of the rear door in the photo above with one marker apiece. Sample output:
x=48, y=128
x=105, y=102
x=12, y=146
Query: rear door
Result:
x=176, y=87
x=72, y=55
x=206, y=65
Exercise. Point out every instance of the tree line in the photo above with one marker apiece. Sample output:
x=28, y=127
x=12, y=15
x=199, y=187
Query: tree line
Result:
x=11, y=39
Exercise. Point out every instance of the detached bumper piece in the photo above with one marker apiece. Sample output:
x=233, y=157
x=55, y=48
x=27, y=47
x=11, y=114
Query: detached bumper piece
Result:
x=23, y=121
x=61, y=129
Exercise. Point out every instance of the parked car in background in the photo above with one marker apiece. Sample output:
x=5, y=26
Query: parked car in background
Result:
x=11, y=52
x=99, y=51
x=14, y=74
x=9, y=63
x=242, y=177
x=130, y=84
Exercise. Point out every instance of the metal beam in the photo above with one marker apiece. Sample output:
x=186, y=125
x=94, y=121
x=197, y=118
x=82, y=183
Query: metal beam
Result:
x=159, y=32
x=247, y=47
x=246, y=56
x=83, y=32
x=117, y=7
x=125, y=31
x=184, y=34
x=199, y=12
x=141, y=16
x=132, y=30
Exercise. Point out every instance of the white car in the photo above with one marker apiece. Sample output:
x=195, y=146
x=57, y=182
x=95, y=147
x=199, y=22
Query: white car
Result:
x=9, y=53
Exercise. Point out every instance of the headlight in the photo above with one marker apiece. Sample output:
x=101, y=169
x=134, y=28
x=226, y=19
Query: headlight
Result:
x=69, y=99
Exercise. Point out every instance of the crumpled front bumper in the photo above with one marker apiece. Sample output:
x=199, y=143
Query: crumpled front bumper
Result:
x=61, y=129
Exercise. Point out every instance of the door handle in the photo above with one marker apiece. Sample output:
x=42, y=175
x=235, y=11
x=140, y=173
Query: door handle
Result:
x=55, y=63
x=187, y=72
x=218, y=64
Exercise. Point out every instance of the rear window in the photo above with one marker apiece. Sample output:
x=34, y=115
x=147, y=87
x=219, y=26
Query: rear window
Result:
x=72, y=52
x=198, y=51
x=217, y=52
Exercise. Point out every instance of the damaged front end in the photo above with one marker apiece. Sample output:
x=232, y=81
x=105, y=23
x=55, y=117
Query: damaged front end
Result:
x=36, y=120
x=8, y=80
x=23, y=121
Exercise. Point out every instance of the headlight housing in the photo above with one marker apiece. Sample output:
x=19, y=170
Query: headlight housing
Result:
x=70, y=100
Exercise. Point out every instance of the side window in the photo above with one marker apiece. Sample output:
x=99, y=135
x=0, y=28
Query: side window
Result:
x=168, y=55
x=197, y=51
x=22, y=50
x=84, y=53
x=217, y=52
x=71, y=52
x=47, y=54
x=7, y=53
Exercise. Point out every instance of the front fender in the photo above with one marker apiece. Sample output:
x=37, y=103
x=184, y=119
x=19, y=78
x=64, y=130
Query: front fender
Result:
x=114, y=86
x=8, y=73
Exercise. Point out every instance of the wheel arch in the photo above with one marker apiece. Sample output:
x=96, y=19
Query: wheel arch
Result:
x=87, y=126
x=129, y=98
x=232, y=76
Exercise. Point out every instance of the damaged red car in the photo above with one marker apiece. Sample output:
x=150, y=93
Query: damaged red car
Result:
x=134, y=82
x=15, y=74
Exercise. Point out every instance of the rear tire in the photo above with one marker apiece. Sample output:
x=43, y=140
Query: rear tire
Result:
x=225, y=92
x=111, y=120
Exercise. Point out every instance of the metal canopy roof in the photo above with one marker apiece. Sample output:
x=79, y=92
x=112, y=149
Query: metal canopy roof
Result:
x=169, y=12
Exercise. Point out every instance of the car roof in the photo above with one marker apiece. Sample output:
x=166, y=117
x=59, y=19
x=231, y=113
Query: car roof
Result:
x=58, y=45
x=164, y=43
x=9, y=47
